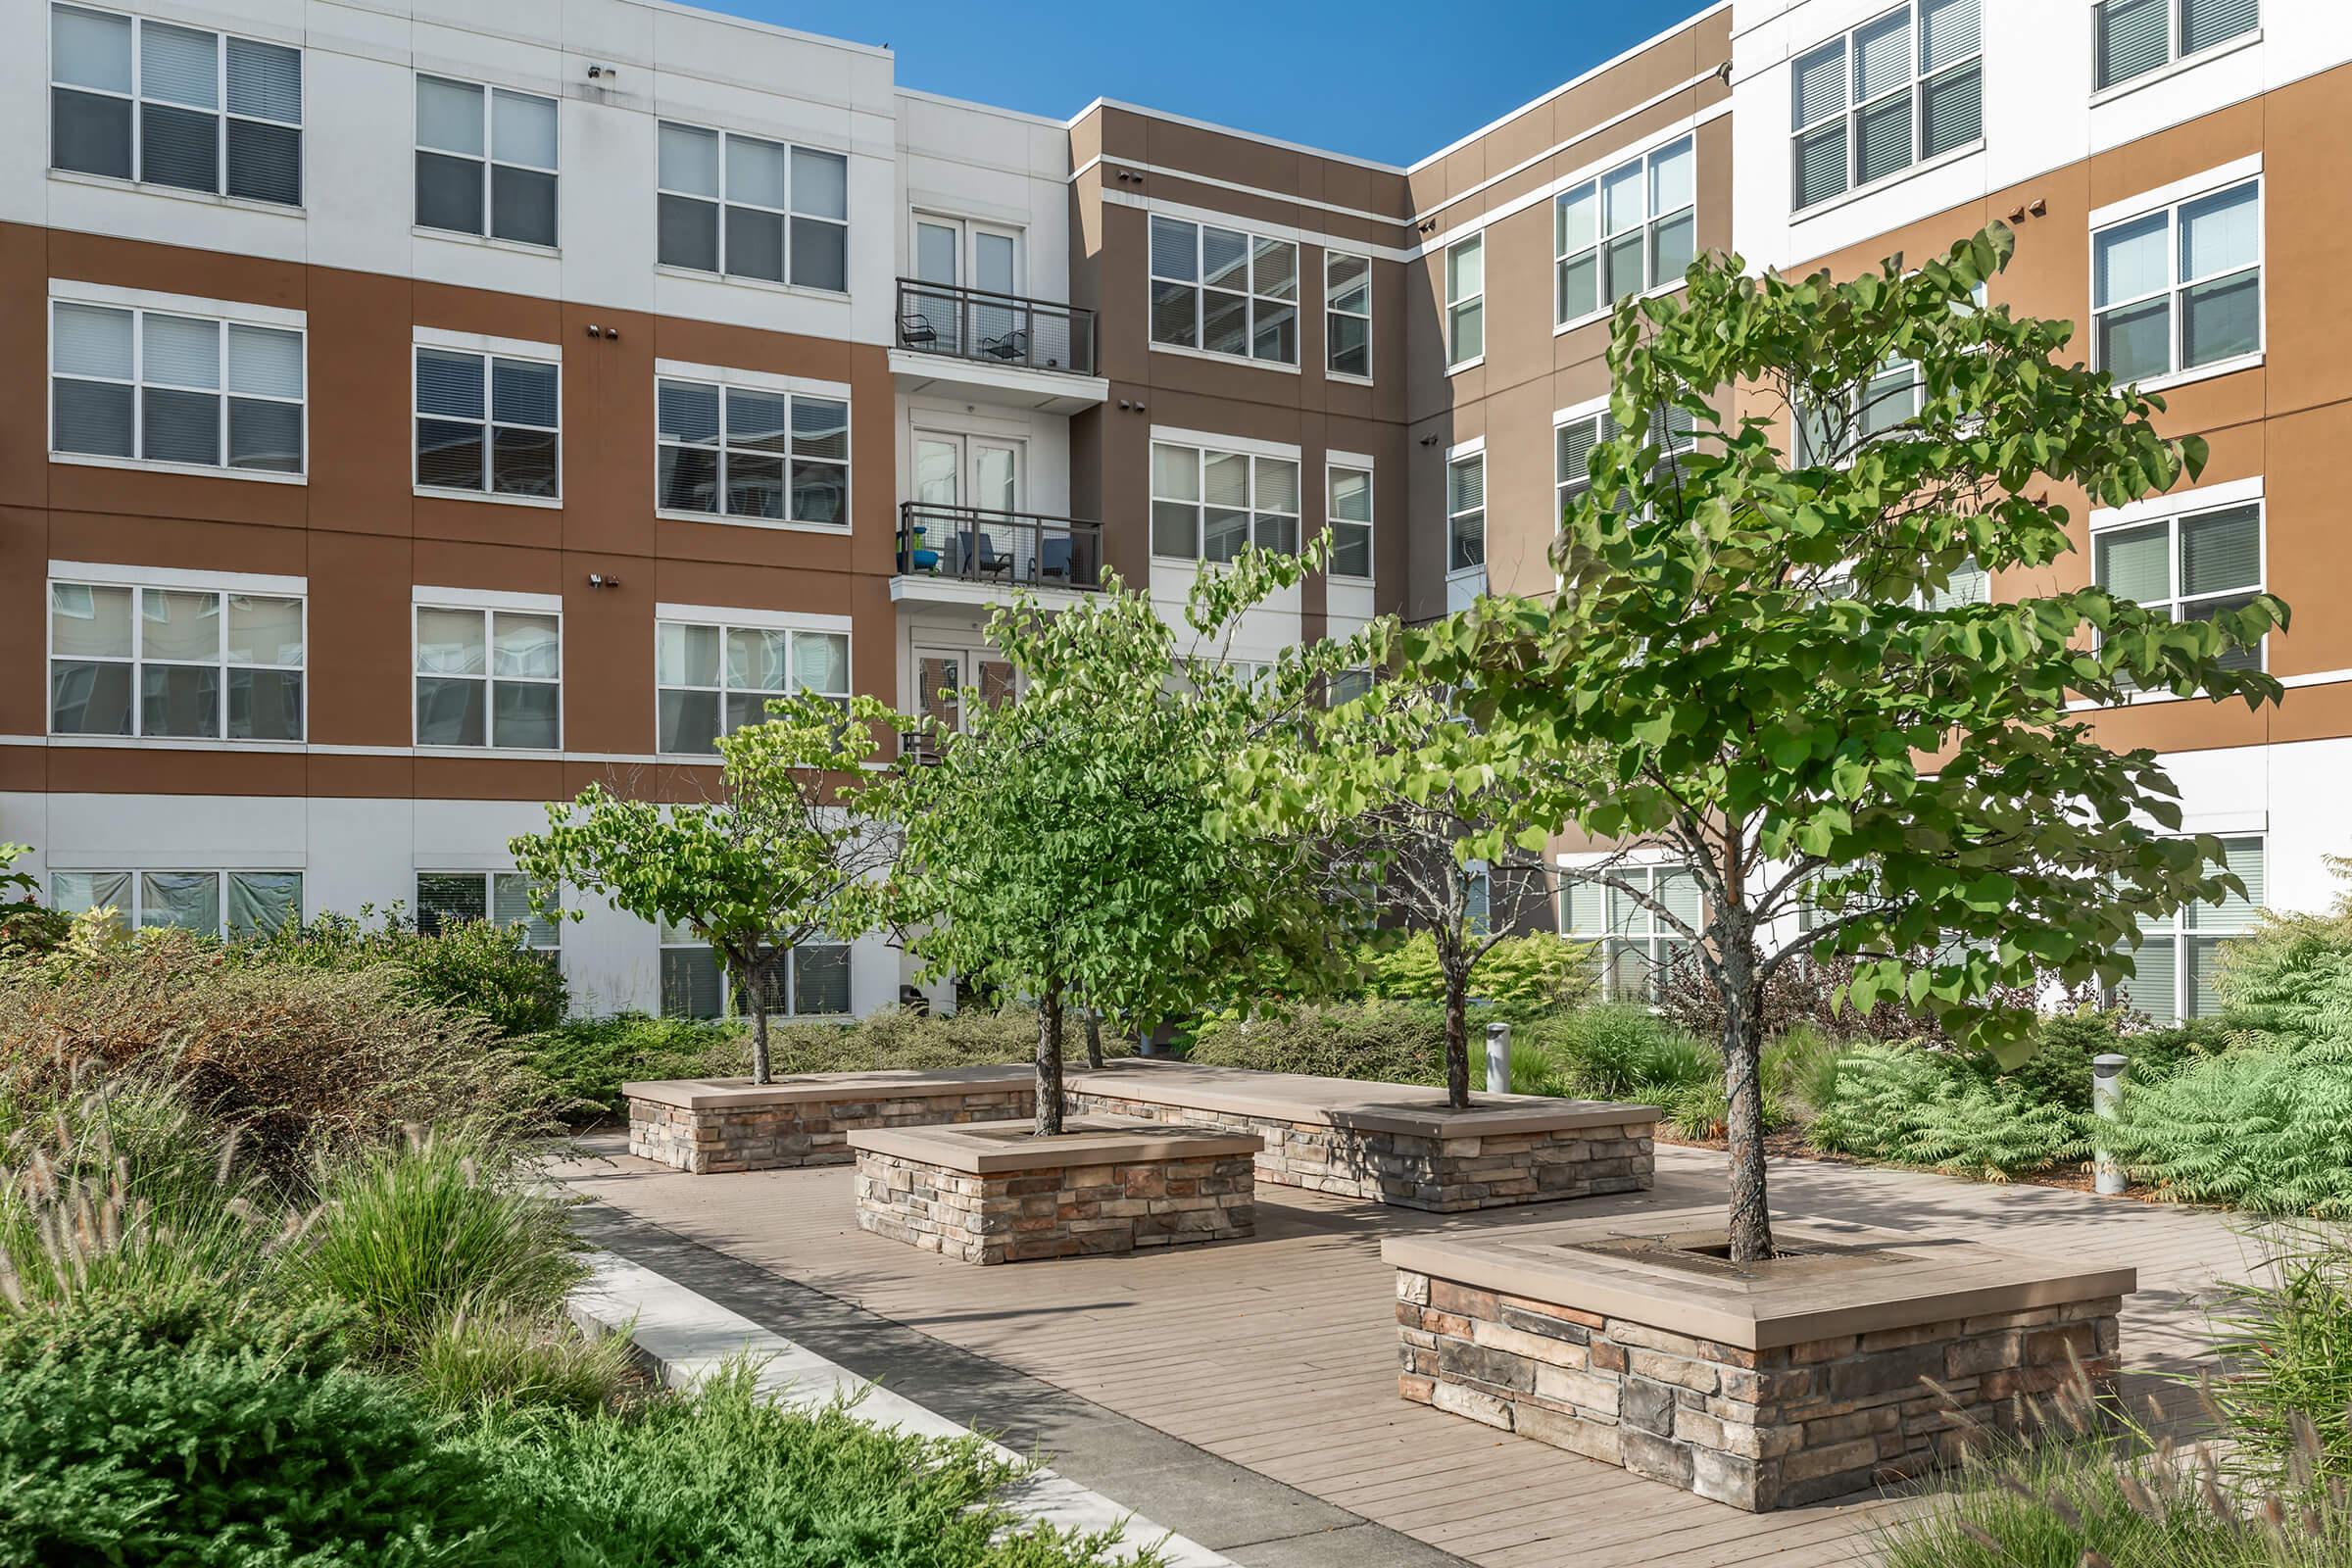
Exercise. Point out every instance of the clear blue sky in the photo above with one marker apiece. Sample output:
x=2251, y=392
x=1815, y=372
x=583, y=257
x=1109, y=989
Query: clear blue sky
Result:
x=1378, y=78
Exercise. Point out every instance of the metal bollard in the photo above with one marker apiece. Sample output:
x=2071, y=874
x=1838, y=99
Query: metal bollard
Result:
x=1498, y=1059
x=2106, y=1104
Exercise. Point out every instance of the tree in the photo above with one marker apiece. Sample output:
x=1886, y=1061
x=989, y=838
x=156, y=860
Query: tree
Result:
x=1788, y=700
x=1060, y=846
x=1398, y=790
x=788, y=854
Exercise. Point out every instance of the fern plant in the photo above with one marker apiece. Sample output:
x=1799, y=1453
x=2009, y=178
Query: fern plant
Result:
x=2267, y=1127
x=1914, y=1107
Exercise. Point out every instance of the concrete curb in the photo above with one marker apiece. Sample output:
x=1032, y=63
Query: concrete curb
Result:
x=686, y=1335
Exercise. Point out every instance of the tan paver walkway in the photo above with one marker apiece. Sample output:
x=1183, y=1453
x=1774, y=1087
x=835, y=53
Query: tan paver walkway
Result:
x=1279, y=1353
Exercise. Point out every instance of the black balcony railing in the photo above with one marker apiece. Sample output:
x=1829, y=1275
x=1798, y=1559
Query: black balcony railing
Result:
x=973, y=544
x=976, y=324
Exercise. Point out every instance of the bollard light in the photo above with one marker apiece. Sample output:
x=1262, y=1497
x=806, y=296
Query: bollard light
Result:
x=1498, y=1059
x=2106, y=1104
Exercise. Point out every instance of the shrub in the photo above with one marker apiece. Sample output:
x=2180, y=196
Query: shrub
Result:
x=472, y=965
x=304, y=1061
x=412, y=1235
x=2286, y=1337
x=1913, y=1105
x=511, y=1361
x=1800, y=1066
x=1389, y=1041
x=1618, y=1051
x=974, y=1036
x=2058, y=1072
x=584, y=1061
x=2292, y=975
x=1538, y=970
x=1806, y=990
x=2266, y=1127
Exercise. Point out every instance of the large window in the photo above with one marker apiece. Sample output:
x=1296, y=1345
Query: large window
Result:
x=2137, y=36
x=502, y=898
x=489, y=677
x=1573, y=441
x=1224, y=291
x=712, y=680
x=1347, y=510
x=748, y=208
x=485, y=161
x=1636, y=943
x=488, y=423
x=1207, y=503
x=167, y=105
x=1633, y=228
x=1466, y=513
x=1828, y=435
x=1466, y=301
x=1902, y=87
x=1346, y=315
x=811, y=981
x=2179, y=287
x=2173, y=963
x=235, y=905
x=2191, y=566
x=745, y=452
x=160, y=386
x=175, y=662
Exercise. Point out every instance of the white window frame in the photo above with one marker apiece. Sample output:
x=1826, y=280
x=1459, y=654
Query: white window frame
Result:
x=136, y=916
x=1461, y=305
x=2182, y=928
x=221, y=112
x=1201, y=288
x=793, y=390
x=1456, y=568
x=1332, y=310
x=1656, y=941
x=489, y=351
x=489, y=160
x=2169, y=202
x=1201, y=451
x=224, y=315
x=2184, y=508
x=789, y=212
x=791, y=628
x=1644, y=166
x=490, y=606
x=2176, y=58
x=1335, y=464
x=548, y=946
x=223, y=588
x=1852, y=107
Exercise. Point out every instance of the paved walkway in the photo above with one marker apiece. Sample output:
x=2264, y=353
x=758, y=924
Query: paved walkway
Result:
x=1245, y=1393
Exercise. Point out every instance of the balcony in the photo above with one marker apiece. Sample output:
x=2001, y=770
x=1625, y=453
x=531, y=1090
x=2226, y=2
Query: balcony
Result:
x=997, y=348
x=973, y=556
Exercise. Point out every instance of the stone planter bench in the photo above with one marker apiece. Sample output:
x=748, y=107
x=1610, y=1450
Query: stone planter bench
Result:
x=998, y=1194
x=702, y=1125
x=1393, y=1142
x=1865, y=1357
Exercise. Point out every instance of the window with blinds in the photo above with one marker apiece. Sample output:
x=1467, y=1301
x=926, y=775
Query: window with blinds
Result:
x=488, y=423
x=239, y=905
x=1633, y=229
x=2180, y=287
x=1904, y=88
x=744, y=207
x=748, y=452
x=167, y=105
x=2174, y=962
x=503, y=897
x=183, y=664
x=712, y=680
x=485, y=162
x=2192, y=567
x=2137, y=36
x=164, y=387
x=1574, y=440
x=1207, y=503
x=1466, y=514
x=1635, y=943
x=1224, y=291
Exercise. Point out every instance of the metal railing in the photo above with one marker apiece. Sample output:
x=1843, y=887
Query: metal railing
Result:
x=979, y=324
x=973, y=544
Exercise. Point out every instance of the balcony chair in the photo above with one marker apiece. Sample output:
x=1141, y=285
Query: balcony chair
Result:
x=1054, y=558
x=979, y=558
x=915, y=331
x=1011, y=346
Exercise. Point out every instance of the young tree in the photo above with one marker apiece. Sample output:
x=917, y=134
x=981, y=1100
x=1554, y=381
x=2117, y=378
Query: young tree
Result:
x=1059, y=848
x=788, y=854
x=1788, y=703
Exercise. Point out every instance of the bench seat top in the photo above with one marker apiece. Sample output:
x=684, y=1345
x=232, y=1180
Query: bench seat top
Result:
x=1412, y=1109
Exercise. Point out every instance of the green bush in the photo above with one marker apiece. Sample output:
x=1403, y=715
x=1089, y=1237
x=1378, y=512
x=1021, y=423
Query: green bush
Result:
x=1800, y=1066
x=586, y=1061
x=498, y=1359
x=1387, y=1042
x=2292, y=975
x=2266, y=1127
x=2286, y=1336
x=473, y=965
x=1618, y=1051
x=2058, y=1072
x=1915, y=1105
x=1539, y=970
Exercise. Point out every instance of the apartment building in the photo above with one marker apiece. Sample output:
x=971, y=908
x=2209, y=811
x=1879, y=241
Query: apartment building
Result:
x=419, y=414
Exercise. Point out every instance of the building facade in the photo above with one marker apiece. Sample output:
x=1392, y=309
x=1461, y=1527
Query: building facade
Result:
x=415, y=417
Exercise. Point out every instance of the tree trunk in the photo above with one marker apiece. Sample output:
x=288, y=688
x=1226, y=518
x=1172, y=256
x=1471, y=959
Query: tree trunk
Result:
x=1094, y=1038
x=759, y=1038
x=1744, y=1087
x=1048, y=1064
x=1457, y=1040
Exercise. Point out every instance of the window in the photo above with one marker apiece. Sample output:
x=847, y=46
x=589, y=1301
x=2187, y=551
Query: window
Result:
x=1206, y=504
x=1346, y=315
x=488, y=422
x=1969, y=584
x=503, y=897
x=2137, y=36
x=2179, y=287
x=1902, y=87
x=1635, y=941
x=1224, y=291
x=1891, y=396
x=237, y=905
x=2173, y=962
x=693, y=983
x=748, y=208
x=175, y=662
x=1346, y=686
x=214, y=113
x=1466, y=300
x=485, y=161
x=2193, y=566
x=1348, y=507
x=166, y=387
x=730, y=450
x=489, y=677
x=1573, y=441
x=712, y=680
x=1632, y=230
x=1466, y=513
